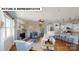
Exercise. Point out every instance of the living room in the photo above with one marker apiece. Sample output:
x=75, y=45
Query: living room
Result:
x=50, y=29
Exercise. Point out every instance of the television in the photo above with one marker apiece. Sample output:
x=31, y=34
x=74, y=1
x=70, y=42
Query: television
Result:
x=22, y=35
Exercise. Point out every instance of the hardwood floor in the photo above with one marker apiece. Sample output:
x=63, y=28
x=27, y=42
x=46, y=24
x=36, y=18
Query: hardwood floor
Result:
x=65, y=46
x=13, y=48
x=59, y=46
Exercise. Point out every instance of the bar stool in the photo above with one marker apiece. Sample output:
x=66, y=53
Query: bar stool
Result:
x=78, y=44
x=72, y=44
x=67, y=41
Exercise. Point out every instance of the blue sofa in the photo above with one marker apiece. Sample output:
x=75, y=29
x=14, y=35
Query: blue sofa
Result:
x=23, y=46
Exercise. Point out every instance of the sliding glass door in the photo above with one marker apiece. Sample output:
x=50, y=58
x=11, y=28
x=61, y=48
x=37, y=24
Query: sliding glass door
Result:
x=8, y=27
x=7, y=30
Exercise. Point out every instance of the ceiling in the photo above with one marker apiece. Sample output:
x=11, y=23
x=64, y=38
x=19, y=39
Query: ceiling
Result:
x=49, y=14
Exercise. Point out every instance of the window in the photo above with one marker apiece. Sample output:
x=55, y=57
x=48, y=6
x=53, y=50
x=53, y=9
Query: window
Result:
x=8, y=27
x=8, y=22
x=3, y=33
x=2, y=28
x=7, y=30
x=13, y=28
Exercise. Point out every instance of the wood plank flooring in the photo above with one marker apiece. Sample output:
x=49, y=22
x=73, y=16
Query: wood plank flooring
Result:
x=59, y=46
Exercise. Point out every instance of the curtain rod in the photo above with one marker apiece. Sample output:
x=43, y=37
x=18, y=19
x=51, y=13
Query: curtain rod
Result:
x=8, y=14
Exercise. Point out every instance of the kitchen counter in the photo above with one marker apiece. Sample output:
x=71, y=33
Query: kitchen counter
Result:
x=68, y=37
